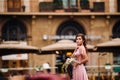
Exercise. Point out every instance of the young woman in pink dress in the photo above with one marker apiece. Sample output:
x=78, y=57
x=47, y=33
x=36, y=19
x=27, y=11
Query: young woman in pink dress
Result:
x=79, y=71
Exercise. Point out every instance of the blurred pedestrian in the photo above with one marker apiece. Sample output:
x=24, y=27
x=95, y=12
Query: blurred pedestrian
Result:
x=46, y=67
x=80, y=54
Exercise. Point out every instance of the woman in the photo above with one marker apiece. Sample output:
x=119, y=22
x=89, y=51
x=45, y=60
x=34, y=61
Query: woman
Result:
x=79, y=72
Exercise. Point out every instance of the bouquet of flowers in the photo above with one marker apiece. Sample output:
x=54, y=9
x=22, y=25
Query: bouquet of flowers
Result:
x=69, y=61
x=68, y=66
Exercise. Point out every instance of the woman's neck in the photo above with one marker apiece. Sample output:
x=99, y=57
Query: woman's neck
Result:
x=79, y=44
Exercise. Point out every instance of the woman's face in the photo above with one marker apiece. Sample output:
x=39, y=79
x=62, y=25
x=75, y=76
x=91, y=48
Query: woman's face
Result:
x=79, y=40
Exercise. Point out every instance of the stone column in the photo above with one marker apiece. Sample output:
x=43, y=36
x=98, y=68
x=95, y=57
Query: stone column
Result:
x=31, y=55
x=2, y=6
x=108, y=25
x=79, y=7
x=91, y=26
x=111, y=6
x=26, y=3
x=53, y=62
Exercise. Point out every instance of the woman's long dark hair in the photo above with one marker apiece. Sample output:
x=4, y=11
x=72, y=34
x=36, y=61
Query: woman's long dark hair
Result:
x=83, y=38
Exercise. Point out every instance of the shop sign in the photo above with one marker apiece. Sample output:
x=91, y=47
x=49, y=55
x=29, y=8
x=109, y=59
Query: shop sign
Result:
x=15, y=57
x=72, y=37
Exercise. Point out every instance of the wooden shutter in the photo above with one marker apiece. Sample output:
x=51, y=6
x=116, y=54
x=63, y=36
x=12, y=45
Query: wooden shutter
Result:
x=14, y=5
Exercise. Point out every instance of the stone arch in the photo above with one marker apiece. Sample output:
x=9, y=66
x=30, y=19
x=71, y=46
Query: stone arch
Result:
x=70, y=27
x=14, y=30
x=116, y=30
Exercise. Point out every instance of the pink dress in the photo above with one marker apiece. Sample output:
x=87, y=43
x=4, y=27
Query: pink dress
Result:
x=79, y=72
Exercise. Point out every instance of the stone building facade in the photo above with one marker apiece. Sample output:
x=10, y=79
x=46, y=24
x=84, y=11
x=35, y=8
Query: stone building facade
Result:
x=37, y=22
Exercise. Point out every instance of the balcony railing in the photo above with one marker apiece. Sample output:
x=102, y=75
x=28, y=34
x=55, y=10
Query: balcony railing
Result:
x=52, y=6
x=84, y=5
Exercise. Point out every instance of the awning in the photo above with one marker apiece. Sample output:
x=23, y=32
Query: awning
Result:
x=109, y=46
x=16, y=48
x=15, y=57
x=63, y=45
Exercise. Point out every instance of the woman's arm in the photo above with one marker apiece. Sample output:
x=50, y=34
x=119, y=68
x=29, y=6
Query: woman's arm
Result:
x=83, y=55
x=84, y=59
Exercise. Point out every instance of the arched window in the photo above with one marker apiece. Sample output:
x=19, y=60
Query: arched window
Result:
x=116, y=30
x=14, y=30
x=70, y=28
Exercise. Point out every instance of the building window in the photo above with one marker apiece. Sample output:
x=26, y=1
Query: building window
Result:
x=98, y=7
x=116, y=62
x=14, y=30
x=58, y=4
x=84, y=4
x=70, y=5
x=14, y=5
x=46, y=6
x=116, y=58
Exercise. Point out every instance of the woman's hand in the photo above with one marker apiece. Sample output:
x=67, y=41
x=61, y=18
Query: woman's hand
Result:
x=73, y=56
x=76, y=64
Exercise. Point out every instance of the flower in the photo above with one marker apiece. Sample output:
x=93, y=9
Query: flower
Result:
x=69, y=61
